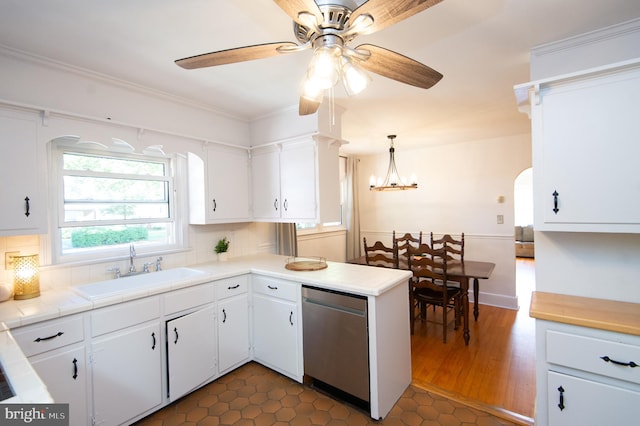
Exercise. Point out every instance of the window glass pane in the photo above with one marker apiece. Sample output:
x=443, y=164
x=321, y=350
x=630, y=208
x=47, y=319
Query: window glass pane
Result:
x=89, y=212
x=97, y=189
x=112, y=165
x=82, y=238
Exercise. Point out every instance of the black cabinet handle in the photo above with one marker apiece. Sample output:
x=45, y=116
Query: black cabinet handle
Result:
x=561, y=404
x=291, y=318
x=233, y=287
x=27, y=207
x=175, y=330
x=555, y=202
x=153, y=346
x=624, y=364
x=224, y=316
x=286, y=204
x=275, y=204
x=215, y=205
x=272, y=287
x=42, y=339
x=75, y=369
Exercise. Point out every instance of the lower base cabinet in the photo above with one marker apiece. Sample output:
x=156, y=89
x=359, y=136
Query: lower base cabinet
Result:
x=233, y=332
x=191, y=351
x=127, y=374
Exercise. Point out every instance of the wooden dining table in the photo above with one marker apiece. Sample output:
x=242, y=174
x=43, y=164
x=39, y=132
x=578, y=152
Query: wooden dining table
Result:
x=465, y=271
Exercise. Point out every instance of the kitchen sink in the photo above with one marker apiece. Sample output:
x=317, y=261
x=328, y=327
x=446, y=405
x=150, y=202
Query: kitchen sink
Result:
x=136, y=283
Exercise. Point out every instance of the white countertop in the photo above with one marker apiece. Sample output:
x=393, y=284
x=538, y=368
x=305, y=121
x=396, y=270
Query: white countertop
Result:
x=356, y=279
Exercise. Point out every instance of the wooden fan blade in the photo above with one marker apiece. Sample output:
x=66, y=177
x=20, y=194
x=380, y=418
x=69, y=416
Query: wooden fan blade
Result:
x=389, y=12
x=294, y=7
x=395, y=66
x=230, y=56
x=308, y=106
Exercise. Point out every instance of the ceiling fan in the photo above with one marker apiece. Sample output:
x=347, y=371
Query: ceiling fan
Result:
x=327, y=26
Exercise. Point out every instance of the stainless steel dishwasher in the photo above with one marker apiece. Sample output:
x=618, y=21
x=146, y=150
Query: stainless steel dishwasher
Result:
x=336, y=342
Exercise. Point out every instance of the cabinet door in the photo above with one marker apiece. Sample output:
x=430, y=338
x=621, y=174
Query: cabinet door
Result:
x=127, y=374
x=233, y=332
x=265, y=168
x=588, y=177
x=227, y=184
x=576, y=401
x=191, y=355
x=275, y=334
x=298, y=181
x=64, y=373
x=22, y=191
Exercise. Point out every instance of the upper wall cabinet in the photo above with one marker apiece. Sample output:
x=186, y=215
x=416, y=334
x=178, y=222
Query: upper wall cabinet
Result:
x=297, y=181
x=586, y=146
x=22, y=175
x=219, y=185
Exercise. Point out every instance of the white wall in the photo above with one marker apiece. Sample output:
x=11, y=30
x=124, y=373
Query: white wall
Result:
x=597, y=265
x=458, y=190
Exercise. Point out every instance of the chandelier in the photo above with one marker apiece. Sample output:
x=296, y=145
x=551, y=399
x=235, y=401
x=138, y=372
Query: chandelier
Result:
x=393, y=181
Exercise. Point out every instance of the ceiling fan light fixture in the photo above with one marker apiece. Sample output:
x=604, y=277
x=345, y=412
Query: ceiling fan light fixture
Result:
x=354, y=78
x=323, y=72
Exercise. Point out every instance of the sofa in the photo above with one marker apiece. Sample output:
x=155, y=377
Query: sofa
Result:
x=524, y=241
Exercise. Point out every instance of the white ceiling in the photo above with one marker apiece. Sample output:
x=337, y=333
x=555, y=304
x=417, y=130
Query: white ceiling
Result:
x=481, y=47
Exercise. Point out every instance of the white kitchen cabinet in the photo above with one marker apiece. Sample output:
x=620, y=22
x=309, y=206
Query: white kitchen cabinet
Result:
x=126, y=361
x=233, y=322
x=277, y=332
x=585, y=128
x=584, y=376
x=219, y=186
x=297, y=181
x=56, y=351
x=22, y=173
x=191, y=351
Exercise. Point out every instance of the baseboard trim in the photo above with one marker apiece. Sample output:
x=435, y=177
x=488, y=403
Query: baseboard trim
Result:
x=516, y=418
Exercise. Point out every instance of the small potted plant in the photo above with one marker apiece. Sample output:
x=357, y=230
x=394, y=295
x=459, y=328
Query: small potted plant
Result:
x=221, y=249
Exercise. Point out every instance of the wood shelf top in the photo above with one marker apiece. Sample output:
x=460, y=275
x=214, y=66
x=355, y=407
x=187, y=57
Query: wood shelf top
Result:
x=610, y=315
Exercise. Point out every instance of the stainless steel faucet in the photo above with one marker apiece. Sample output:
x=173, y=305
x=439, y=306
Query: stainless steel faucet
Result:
x=132, y=254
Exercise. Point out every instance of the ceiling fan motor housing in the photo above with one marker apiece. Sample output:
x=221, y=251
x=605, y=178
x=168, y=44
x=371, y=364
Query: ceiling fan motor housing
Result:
x=335, y=19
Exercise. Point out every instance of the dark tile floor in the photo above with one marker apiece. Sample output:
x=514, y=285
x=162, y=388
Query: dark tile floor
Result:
x=256, y=396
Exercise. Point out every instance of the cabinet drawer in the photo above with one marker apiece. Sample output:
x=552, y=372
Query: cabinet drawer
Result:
x=188, y=298
x=586, y=354
x=124, y=315
x=281, y=289
x=232, y=286
x=38, y=338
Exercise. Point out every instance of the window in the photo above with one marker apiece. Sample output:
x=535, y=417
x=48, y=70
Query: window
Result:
x=110, y=200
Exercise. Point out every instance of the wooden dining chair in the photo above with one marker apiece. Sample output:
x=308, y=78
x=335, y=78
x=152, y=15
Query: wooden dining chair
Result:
x=380, y=255
x=428, y=286
x=453, y=247
x=405, y=242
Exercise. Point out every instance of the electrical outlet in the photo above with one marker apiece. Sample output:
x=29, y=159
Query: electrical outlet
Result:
x=500, y=219
x=8, y=259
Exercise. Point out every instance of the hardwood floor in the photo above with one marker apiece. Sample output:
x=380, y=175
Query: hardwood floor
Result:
x=498, y=366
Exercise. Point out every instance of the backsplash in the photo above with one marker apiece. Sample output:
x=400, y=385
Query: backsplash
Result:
x=245, y=239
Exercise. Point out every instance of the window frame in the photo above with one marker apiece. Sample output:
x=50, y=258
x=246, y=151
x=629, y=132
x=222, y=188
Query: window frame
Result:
x=176, y=232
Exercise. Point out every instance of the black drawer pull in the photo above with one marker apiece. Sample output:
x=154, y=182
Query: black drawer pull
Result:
x=153, y=346
x=27, y=207
x=272, y=287
x=561, y=404
x=75, y=369
x=624, y=364
x=555, y=202
x=291, y=318
x=233, y=287
x=224, y=316
x=275, y=204
x=42, y=339
x=175, y=330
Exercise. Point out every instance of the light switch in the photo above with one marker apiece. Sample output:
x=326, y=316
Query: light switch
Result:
x=500, y=219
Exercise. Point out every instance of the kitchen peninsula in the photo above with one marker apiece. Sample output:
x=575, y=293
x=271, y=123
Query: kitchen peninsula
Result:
x=216, y=293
